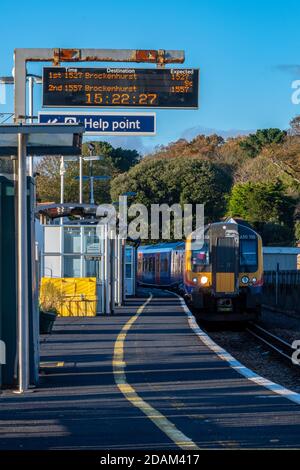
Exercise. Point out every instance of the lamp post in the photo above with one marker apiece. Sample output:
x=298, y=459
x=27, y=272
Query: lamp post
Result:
x=92, y=179
x=90, y=159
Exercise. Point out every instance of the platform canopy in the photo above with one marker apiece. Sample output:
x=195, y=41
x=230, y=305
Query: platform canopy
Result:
x=42, y=139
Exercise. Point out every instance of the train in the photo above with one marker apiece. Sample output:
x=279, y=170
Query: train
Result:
x=161, y=265
x=220, y=277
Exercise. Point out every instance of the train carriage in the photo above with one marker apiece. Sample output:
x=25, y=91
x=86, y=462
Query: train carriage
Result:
x=223, y=276
x=161, y=265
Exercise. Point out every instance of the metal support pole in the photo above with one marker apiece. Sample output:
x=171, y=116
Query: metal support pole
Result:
x=62, y=179
x=107, y=272
x=30, y=104
x=112, y=271
x=119, y=273
x=62, y=184
x=134, y=269
x=102, y=266
x=116, y=243
x=22, y=285
x=123, y=256
x=91, y=184
x=277, y=284
x=92, y=201
x=80, y=180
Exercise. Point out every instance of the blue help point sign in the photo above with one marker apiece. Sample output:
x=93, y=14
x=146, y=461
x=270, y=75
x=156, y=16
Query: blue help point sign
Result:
x=105, y=123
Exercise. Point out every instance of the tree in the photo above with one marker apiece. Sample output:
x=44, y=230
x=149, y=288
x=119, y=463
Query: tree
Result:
x=286, y=157
x=275, y=234
x=201, y=146
x=123, y=159
x=114, y=162
x=254, y=143
x=297, y=230
x=48, y=181
x=179, y=180
x=232, y=154
x=119, y=159
x=265, y=206
x=261, y=202
x=295, y=126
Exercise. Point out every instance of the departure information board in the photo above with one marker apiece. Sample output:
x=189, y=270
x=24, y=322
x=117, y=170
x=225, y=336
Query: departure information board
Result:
x=120, y=87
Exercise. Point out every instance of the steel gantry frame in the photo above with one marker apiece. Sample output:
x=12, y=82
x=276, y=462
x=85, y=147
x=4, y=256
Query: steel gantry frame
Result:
x=56, y=56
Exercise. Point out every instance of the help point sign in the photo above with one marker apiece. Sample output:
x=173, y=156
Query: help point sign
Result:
x=105, y=123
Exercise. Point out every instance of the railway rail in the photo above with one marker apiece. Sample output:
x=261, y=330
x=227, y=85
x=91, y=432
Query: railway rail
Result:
x=273, y=342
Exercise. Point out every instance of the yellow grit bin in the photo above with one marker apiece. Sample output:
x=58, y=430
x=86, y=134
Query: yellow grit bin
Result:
x=74, y=297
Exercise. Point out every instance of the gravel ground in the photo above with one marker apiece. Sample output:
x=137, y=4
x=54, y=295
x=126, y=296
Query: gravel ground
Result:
x=285, y=326
x=256, y=356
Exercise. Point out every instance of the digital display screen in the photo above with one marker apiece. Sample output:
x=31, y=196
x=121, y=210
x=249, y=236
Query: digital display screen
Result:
x=120, y=87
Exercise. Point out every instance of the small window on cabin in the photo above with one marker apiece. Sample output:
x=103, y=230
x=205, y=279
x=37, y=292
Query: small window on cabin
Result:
x=200, y=258
x=248, y=255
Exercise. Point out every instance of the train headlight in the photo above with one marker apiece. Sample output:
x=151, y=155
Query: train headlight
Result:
x=195, y=280
x=204, y=280
x=245, y=279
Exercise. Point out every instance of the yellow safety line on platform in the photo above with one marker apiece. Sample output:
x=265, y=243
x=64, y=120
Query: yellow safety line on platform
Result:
x=52, y=364
x=119, y=364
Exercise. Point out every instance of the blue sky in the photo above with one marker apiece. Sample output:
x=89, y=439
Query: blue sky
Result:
x=246, y=51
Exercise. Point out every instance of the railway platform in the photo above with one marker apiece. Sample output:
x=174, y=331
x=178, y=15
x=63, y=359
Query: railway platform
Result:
x=143, y=379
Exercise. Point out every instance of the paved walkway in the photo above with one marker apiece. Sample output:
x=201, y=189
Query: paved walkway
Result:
x=172, y=390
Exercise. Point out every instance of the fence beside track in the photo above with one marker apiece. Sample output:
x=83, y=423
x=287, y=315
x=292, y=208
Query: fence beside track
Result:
x=282, y=290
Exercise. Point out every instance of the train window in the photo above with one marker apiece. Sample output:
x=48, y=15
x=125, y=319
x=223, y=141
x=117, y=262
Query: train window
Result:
x=248, y=255
x=165, y=265
x=140, y=265
x=174, y=262
x=200, y=258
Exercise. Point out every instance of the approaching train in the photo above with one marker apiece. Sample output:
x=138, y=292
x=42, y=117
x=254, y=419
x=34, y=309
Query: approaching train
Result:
x=221, y=278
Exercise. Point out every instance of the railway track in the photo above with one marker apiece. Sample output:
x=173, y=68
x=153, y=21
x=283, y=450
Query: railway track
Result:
x=276, y=344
